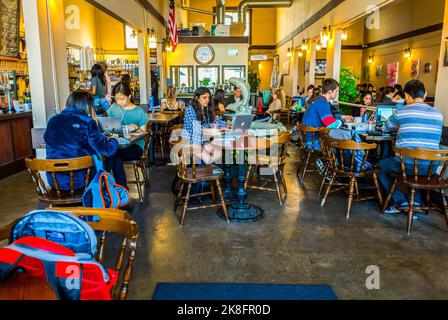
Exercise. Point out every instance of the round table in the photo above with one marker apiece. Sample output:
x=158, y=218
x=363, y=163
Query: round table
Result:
x=241, y=211
x=24, y=287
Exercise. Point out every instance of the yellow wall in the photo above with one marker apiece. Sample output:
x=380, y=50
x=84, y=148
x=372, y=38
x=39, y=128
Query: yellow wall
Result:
x=352, y=59
x=442, y=82
x=263, y=26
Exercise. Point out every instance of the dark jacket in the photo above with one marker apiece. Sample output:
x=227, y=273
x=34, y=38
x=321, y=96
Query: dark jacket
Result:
x=72, y=134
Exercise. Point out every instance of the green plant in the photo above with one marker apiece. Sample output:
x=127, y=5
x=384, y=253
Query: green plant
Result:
x=205, y=82
x=347, y=92
x=254, y=80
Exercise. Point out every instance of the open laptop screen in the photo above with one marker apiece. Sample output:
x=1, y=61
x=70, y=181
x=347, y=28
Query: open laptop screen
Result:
x=384, y=112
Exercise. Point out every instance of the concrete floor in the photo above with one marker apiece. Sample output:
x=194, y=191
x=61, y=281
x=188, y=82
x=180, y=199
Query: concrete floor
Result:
x=300, y=243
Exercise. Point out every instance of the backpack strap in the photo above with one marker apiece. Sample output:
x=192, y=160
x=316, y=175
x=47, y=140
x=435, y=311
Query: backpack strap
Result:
x=98, y=161
x=7, y=269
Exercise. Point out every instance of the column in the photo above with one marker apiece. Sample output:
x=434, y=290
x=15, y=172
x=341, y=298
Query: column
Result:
x=334, y=53
x=47, y=58
x=442, y=78
x=310, y=76
x=295, y=74
x=144, y=70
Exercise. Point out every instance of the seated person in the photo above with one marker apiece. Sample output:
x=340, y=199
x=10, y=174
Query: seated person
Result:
x=274, y=107
x=388, y=95
x=170, y=103
x=126, y=78
x=235, y=97
x=366, y=100
x=135, y=118
x=73, y=134
x=219, y=101
x=319, y=114
x=419, y=126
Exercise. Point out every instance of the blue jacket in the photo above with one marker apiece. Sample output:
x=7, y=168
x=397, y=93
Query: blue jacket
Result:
x=72, y=134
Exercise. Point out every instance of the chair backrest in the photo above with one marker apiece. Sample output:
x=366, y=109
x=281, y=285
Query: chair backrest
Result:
x=323, y=134
x=357, y=153
x=186, y=158
x=55, y=167
x=281, y=142
x=431, y=160
x=308, y=136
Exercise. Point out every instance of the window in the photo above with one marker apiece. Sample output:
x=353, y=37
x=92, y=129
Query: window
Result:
x=131, y=38
x=182, y=76
x=233, y=72
x=228, y=21
x=207, y=76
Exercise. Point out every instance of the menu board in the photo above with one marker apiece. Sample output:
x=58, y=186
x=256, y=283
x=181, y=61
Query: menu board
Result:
x=9, y=28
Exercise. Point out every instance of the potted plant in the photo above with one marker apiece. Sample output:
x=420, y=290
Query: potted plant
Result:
x=347, y=91
x=254, y=80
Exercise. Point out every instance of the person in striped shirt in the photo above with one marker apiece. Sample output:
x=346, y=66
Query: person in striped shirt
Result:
x=419, y=126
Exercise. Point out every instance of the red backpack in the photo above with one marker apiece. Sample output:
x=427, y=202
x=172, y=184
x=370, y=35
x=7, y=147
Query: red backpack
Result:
x=72, y=276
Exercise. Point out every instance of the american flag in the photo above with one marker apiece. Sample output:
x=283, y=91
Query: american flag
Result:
x=174, y=37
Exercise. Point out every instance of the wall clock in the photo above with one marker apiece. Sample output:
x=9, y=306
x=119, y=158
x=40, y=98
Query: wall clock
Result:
x=204, y=54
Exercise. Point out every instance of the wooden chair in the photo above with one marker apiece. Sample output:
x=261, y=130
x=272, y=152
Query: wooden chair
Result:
x=275, y=162
x=324, y=157
x=307, y=143
x=56, y=196
x=110, y=220
x=193, y=174
x=285, y=116
x=428, y=181
x=339, y=167
x=141, y=165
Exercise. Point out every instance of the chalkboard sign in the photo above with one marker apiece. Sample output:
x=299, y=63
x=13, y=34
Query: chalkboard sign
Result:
x=9, y=27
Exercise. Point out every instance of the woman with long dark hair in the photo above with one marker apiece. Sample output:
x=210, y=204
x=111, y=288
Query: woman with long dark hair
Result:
x=98, y=89
x=219, y=101
x=74, y=133
x=135, y=119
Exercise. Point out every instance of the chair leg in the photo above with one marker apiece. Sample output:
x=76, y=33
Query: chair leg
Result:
x=187, y=199
x=282, y=176
x=179, y=196
x=327, y=192
x=223, y=202
x=389, y=196
x=137, y=180
x=445, y=205
x=145, y=170
x=378, y=189
x=248, y=174
x=305, y=167
x=350, y=196
x=411, y=211
x=277, y=187
x=302, y=162
x=212, y=189
x=322, y=183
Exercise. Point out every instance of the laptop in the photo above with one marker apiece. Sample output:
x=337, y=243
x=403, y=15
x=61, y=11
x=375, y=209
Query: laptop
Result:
x=242, y=123
x=384, y=112
x=111, y=125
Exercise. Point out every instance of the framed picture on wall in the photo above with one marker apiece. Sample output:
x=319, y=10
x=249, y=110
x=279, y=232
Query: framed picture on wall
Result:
x=415, y=66
x=321, y=67
x=366, y=73
x=445, y=58
x=379, y=70
x=392, y=73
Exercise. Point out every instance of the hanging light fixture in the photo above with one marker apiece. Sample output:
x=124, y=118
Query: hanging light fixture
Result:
x=344, y=35
x=300, y=54
x=325, y=35
x=289, y=53
x=318, y=46
x=407, y=53
x=168, y=47
x=152, y=39
x=133, y=34
x=304, y=45
x=371, y=59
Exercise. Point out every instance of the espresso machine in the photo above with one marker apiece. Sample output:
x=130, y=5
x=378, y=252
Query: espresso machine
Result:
x=6, y=89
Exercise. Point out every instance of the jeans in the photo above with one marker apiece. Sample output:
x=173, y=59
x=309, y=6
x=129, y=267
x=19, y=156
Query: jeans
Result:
x=390, y=165
x=116, y=163
x=101, y=105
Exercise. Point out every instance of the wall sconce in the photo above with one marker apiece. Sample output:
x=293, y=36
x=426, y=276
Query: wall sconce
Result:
x=304, y=45
x=289, y=53
x=407, y=53
x=168, y=47
x=371, y=59
x=318, y=46
x=300, y=54
x=325, y=35
x=344, y=35
x=152, y=39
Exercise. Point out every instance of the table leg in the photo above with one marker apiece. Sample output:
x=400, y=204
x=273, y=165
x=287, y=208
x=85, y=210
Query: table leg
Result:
x=241, y=211
x=151, y=145
x=228, y=191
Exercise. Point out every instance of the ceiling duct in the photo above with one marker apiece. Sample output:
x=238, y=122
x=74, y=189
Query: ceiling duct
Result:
x=249, y=4
x=219, y=14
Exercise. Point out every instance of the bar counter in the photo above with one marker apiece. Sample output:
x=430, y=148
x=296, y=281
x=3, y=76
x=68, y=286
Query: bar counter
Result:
x=15, y=142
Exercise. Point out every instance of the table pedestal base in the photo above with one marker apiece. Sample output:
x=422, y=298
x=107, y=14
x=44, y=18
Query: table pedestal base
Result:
x=242, y=213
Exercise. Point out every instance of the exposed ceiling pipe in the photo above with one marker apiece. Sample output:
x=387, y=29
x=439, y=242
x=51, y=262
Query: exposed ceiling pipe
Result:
x=220, y=11
x=248, y=4
x=198, y=10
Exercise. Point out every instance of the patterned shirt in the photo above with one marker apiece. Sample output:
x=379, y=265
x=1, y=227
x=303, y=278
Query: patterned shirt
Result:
x=193, y=128
x=420, y=126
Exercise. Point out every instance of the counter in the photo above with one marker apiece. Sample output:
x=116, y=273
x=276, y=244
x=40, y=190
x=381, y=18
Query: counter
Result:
x=15, y=142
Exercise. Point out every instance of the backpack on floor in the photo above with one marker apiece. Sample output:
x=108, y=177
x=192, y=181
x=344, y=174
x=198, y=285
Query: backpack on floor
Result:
x=72, y=276
x=103, y=191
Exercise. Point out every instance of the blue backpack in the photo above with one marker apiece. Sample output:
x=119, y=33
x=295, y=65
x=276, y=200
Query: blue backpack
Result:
x=103, y=191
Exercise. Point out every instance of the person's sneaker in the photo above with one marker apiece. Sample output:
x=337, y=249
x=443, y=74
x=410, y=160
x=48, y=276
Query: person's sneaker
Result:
x=392, y=210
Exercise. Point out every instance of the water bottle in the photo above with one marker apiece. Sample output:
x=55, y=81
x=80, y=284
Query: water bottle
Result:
x=299, y=104
x=151, y=104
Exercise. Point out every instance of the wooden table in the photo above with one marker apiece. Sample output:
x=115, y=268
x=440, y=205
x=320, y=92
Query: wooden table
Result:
x=241, y=211
x=24, y=287
x=135, y=137
x=158, y=118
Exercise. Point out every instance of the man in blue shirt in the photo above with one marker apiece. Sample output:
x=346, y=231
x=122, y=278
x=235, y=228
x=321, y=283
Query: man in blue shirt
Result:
x=419, y=126
x=319, y=113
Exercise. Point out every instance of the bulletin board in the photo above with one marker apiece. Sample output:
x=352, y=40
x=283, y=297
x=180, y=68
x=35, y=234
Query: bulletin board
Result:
x=9, y=27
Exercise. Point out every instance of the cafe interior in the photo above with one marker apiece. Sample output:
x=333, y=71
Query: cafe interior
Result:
x=224, y=149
